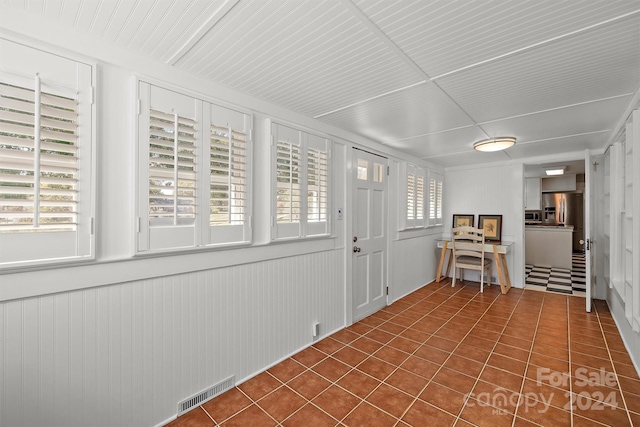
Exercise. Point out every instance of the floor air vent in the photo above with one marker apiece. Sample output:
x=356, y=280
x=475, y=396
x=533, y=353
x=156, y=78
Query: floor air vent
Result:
x=205, y=395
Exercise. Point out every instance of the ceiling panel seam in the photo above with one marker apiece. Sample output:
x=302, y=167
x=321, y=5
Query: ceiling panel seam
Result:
x=202, y=31
x=402, y=55
x=537, y=45
x=432, y=133
x=373, y=98
x=574, y=135
x=556, y=108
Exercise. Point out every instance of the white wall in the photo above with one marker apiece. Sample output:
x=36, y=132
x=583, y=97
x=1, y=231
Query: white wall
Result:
x=494, y=189
x=126, y=354
x=120, y=341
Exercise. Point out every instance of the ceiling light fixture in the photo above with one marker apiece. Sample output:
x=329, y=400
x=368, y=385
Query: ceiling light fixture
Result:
x=556, y=170
x=495, y=144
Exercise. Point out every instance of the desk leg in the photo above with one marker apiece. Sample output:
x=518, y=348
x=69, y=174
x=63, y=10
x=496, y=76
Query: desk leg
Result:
x=442, y=255
x=506, y=272
x=503, y=272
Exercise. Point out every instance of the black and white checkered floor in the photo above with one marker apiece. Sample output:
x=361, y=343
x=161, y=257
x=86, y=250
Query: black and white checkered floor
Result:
x=560, y=280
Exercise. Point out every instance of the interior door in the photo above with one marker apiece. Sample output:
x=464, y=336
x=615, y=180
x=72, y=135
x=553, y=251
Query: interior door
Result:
x=369, y=242
x=589, y=228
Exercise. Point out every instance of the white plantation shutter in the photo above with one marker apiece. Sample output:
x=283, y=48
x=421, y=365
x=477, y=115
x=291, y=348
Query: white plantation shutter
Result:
x=46, y=156
x=193, y=172
x=38, y=177
x=169, y=129
x=228, y=175
x=435, y=199
x=415, y=215
x=439, y=202
x=172, y=169
x=301, y=167
x=411, y=199
x=317, y=171
x=288, y=161
x=420, y=200
x=317, y=185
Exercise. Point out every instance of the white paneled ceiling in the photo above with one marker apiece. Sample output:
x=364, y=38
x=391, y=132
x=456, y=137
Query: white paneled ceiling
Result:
x=426, y=77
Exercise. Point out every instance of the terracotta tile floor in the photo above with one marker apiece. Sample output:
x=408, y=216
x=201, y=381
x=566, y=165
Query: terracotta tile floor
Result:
x=446, y=356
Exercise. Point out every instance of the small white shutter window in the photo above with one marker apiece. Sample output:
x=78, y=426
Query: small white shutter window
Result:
x=38, y=160
x=420, y=199
x=435, y=199
x=301, y=183
x=46, y=158
x=411, y=198
x=194, y=181
x=415, y=194
x=172, y=169
x=288, y=179
x=228, y=175
x=316, y=170
x=317, y=185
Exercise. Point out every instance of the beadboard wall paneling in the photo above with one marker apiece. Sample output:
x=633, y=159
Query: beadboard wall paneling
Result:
x=414, y=264
x=126, y=354
x=490, y=190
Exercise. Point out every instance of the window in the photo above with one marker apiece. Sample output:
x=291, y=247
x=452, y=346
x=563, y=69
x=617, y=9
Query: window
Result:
x=415, y=213
x=301, y=183
x=46, y=157
x=435, y=199
x=193, y=172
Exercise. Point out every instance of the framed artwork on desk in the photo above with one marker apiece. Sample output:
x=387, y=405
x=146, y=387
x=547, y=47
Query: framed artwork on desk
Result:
x=492, y=226
x=462, y=221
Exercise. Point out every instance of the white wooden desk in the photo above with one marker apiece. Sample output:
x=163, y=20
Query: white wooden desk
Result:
x=499, y=251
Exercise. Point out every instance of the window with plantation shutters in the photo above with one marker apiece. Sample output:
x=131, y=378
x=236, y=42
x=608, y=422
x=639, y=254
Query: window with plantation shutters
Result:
x=193, y=173
x=419, y=198
x=301, y=183
x=46, y=201
x=415, y=196
x=288, y=182
x=172, y=169
x=435, y=199
x=317, y=185
x=411, y=197
x=228, y=161
x=38, y=161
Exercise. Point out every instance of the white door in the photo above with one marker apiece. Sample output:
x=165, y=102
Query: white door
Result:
x=589, y=227
x=369, y=241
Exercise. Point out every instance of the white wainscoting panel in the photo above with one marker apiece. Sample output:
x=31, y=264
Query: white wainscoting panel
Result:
x=126, y=354
x=414, y=264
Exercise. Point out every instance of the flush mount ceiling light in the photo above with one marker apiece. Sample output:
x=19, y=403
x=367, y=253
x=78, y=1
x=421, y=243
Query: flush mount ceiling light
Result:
x=556, y=170
x=495, y=144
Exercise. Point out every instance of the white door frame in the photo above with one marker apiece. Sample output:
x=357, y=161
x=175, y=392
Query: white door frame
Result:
x=349, y=232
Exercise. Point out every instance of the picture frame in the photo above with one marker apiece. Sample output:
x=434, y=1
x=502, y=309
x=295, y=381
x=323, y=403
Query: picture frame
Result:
x=492, y=226
x=462, y=221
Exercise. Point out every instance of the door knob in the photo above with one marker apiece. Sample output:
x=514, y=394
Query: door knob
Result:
x=355, y=239
x=581, y=242
x=356, y=249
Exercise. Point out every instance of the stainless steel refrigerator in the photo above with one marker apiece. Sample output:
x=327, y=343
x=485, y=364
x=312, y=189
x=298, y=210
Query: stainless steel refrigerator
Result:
x=565, y=209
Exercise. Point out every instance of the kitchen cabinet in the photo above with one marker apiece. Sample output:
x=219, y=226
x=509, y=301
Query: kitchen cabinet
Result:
x=532, y=193
x=548, y=246
x=559, y=183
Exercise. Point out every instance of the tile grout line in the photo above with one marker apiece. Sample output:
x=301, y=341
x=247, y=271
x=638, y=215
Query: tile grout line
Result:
x=526, y=368
x=613, y=366
x=570, y=364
